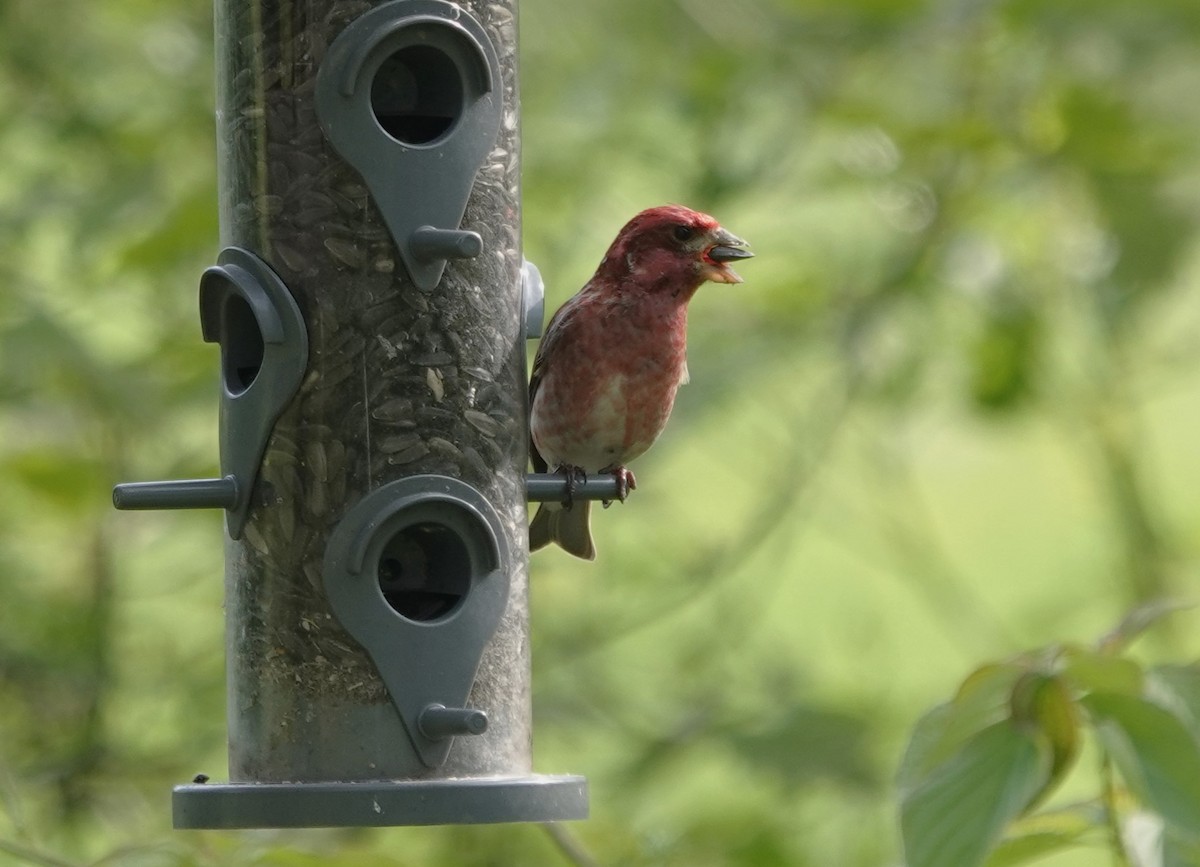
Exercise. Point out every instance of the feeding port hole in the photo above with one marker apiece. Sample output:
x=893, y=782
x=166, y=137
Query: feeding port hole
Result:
x=241, y=345
x=417, y=94
x=425, y=571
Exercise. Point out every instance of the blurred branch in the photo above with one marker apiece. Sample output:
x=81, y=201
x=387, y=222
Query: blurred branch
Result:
x=90, y=743
x=1112, y=816
x=1106, y=408
x=1143, y=549
x=10, y=802
x=569, y=845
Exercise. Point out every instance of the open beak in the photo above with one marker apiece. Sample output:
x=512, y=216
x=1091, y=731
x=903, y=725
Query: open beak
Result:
x=728, y=247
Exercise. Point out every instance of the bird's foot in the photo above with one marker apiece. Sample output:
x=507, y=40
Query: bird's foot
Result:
x=626, y=482
x=575, y=477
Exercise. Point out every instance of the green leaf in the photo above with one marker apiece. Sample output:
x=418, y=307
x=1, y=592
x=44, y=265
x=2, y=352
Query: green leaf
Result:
x=1177, y=688
x=1029, y=847
x=1095, y=671
x=1044, y=703
x=956, y=815
x=1156, y=754
x=982, y=700
x=924, y=750
x=1178, y=851
x=1043, y=834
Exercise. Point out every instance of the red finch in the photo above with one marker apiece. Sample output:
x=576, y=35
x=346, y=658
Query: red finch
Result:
x=606, y=372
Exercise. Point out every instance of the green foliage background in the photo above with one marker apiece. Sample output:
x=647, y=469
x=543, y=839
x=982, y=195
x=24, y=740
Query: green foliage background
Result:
x=951, y=413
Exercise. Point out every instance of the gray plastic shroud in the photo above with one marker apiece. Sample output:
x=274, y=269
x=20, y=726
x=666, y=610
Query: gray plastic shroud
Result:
x=533, y=299
x=441, y=544
x=407, y=94
x=246, y=308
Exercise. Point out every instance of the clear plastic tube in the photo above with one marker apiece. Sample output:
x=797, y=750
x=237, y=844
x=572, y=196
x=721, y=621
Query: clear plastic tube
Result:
x=400, y=382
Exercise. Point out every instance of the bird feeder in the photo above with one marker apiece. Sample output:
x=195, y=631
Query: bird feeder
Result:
x=371, y=306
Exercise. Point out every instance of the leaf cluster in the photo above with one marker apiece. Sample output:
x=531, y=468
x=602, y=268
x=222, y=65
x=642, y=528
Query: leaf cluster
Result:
x=978, y=768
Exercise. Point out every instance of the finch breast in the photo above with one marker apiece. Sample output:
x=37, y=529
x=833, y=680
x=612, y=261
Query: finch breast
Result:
x=608, y=391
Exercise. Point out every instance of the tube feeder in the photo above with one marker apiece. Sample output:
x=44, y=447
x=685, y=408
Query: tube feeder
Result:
x=371, y=305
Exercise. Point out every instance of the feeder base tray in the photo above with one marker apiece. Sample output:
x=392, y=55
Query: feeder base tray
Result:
x=479, y=800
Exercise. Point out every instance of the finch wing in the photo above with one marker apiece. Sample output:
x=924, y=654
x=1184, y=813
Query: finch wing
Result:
x=559, y=324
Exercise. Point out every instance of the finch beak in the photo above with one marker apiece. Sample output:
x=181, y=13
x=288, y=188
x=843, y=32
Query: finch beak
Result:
x=728, y=248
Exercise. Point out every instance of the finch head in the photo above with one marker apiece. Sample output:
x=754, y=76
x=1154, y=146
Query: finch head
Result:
x=671, y=246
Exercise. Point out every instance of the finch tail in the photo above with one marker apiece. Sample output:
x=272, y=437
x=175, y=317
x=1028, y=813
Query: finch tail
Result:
x=567, y=526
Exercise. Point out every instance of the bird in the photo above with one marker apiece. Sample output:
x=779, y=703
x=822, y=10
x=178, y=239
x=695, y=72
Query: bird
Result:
x=613, y=356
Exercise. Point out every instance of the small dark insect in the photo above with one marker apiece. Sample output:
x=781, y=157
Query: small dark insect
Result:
x=200, y=778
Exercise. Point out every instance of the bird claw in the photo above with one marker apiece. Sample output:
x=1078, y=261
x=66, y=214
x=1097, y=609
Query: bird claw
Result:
x=626, y=482
x=575, y=476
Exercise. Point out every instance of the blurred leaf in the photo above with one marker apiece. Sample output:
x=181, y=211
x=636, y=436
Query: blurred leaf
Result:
x=65, y=482
x=1158, y=757
x=982, y=699
x=808, y=743
x=1033, y=837
x=1004, y=358
x=1177, y=688
x=954, y=816
x=191, y=223
x=1099, y=671
x=164, y=854
x=805, y=744
x=1179, y=851
x=1044, y=703
x=293, y=857
x=734, y=836
x=1030, y=847
x=40, y=352
x=926, y=748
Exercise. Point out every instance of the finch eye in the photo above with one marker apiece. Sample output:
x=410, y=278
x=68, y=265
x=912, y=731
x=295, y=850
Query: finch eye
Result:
x=683, y=233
